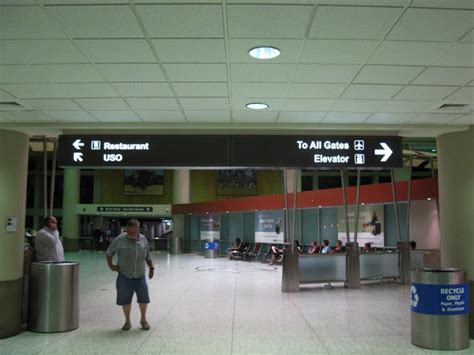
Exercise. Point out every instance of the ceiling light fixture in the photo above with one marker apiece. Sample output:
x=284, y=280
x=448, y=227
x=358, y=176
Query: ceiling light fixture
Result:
x=256, y=106
x=264, y=52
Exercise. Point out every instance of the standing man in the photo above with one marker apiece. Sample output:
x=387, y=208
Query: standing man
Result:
x=132, y=251
x=48, y=246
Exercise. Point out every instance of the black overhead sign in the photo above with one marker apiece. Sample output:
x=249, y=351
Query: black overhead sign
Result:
x=124, y=209
x=225, y=151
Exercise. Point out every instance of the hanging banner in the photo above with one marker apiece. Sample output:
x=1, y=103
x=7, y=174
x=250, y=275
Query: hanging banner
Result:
x=211, y=226
x=370, y=228
x=269, y=227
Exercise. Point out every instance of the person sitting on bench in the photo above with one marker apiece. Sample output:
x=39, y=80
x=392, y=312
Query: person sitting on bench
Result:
x=277, y=254
x=237, y=246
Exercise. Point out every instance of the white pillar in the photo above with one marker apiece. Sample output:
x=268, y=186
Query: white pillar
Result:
x=70, y=221
x=181, y=194
x=291, y=173
x=13, y=175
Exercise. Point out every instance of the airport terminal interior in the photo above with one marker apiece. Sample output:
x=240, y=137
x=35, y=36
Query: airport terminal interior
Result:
x=300, y=174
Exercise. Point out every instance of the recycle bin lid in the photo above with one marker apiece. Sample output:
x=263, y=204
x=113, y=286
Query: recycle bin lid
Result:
x=444, y=269
x=56, y=263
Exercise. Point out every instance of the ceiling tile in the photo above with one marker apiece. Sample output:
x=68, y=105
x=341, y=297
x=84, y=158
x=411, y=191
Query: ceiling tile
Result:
x=115, y=116
x=208, y=116
x=463, y=95
x=466, y=119
x=70, y=116
x=418, y=93
x=19, y=22
x=267, y=21
x=258, y=89
x=45, y=51
x=390, y=118
x=53, y=104
x=14, y=74
x=201, y=89
x=4, y=119
x=307, y=105
x=28, y=116
x=365, y=2
x=190, y=50
x=462, y=4
x=252, y=116
x=68, y=2
x=321, y=91
x=196, y=72
x=153, y=103
x=262, y=72
x=117, y=50
x=379, y=92
x=58, y=73
x=300, y=117
x=337, y=51
x=6, y=57
x=239, y=103
x=408, y=53
x=384, y=74
x=345, y=117
x=193, y=104
x=461, y=54
x=4, y=96
x=103, y=104
x=325, y=73
x=358, y=105
x=445, y=76
x=182, y=20
x=161, y=116
x=97, y=21
x=439, y=118
x=405, y=106
x=289, y=48
x=432, y=25
x=132, y=72
x=144, y=89
x=33, y=91
x=350, y=22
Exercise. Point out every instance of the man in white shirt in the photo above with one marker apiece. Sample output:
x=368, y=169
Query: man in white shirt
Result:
x=48, y=246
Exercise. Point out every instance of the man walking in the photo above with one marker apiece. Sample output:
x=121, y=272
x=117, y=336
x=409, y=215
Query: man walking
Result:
x=132, y=250
x=48, y=246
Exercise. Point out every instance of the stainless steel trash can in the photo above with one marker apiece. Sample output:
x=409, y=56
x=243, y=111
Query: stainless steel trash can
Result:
x=439, y=309
x=176, y=246
x=211, y=249
x=54, y=297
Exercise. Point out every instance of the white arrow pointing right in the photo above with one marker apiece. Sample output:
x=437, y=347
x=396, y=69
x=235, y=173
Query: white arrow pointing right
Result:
x=78, y=156
x=386, y=152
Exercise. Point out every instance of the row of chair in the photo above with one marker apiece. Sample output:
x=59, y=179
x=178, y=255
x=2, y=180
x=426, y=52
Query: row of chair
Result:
x=252, y=251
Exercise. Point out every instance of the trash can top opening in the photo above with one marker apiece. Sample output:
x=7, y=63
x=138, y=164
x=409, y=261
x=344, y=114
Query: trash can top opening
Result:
x=427, y=269
x=56, y=263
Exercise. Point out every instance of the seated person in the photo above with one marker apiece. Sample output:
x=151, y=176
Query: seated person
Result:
x=299, y=247
x=326, y=249
x=237, y=246
x=338, y=248
x=314, y=248
x=277, y=254
x=367, y=247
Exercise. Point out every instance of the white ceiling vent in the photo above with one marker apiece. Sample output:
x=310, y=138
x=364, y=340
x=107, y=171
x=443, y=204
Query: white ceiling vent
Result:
x=451, y=107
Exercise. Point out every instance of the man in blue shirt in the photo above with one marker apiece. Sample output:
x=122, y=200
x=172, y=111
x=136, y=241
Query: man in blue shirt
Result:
x=132, y=251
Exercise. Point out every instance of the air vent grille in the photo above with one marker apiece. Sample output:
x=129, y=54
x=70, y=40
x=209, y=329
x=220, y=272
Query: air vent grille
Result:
x=451, y=107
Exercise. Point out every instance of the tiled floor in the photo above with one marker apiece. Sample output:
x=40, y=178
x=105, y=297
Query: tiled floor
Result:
x=228, y=307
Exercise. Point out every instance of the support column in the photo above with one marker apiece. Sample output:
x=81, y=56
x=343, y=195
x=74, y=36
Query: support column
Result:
x=13, y=176
x=292, y=175
x=181, y=194
x=97, y=198
x=456, y=201
x=70, y=221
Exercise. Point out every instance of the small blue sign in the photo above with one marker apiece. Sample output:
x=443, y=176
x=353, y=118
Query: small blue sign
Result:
x=211, y=246
x=440, y=300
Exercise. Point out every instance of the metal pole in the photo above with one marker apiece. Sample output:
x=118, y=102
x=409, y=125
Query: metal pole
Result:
x=395, y=204
x=344, y=200
x=319, y=225
x=285, y=215
x=53, y=179
x=45, y=177
x=432, y=167
x=293, y=226
x=409, y=198
x=356, y=223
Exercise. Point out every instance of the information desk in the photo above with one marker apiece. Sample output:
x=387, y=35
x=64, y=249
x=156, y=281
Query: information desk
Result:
x=379, y=265
x=322, y=268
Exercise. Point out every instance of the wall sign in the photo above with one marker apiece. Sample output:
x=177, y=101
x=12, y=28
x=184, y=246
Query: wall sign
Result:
x=211, y=226
x=441, y=300
x=214, y=151
x=124, y=209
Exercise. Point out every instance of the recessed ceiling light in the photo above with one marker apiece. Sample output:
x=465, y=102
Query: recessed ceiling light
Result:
x=264, y=52
x=256, y=106
x=429, y=198
x=433, y=150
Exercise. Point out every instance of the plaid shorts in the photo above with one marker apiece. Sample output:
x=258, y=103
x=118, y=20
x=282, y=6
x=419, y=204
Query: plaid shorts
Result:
x=126, y=287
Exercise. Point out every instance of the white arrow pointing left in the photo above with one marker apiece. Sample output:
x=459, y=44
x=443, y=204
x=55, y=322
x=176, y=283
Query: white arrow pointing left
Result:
x=78, y=156
x=386, y=152
x=78, y=144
